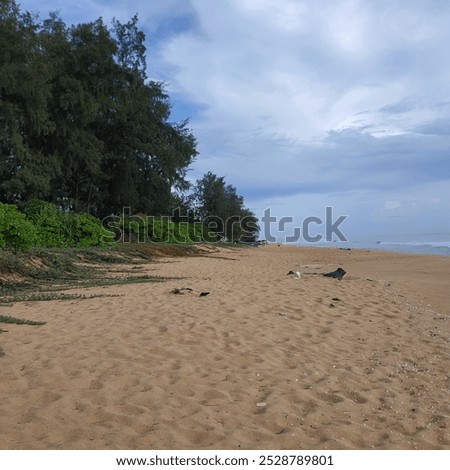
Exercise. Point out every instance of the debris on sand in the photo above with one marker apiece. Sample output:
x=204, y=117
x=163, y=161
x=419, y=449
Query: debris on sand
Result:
x=338, y=274
x=187, y=290
x=296, y=274
x=181, y=291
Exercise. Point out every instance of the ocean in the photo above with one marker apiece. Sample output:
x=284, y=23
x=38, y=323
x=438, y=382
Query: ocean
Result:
x=430, y=244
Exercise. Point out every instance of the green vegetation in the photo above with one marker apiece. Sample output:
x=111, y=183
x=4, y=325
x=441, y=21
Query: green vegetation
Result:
x=43, y=225
x=84, y=130
x=222, y=209
x=19, y=321
x=161, y=230
x=42, y=274
x=16, y=231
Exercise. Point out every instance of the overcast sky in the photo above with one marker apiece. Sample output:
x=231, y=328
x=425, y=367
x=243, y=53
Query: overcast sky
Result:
x=303, y=104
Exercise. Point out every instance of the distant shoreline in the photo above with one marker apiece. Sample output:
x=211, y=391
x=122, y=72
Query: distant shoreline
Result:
x=414, y=248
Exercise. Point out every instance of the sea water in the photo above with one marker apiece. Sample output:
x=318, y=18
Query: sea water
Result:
x=430, y=244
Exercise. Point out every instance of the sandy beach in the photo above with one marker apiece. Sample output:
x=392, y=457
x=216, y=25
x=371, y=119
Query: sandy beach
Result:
x=265, y=361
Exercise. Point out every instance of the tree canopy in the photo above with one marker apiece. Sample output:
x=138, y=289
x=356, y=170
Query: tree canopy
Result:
x=80, y=124
x=223, y=210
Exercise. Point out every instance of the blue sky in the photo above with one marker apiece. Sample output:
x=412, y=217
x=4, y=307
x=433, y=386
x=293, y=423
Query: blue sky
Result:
x=304, y=104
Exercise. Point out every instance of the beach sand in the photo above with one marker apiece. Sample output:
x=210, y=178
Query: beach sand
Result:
x=265, y=361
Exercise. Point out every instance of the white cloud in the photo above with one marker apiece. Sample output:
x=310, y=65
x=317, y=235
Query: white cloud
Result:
x=251, y=67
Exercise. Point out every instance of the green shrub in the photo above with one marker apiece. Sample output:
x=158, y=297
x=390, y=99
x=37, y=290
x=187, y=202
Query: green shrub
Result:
x=88, y=231
x=160, y=230
x=199, y=233
x=44, y=225
x=51, y=223
x=142, y=229
x=16, y=231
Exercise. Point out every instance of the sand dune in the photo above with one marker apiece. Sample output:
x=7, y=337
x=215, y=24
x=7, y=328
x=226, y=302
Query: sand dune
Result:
x=265, y=361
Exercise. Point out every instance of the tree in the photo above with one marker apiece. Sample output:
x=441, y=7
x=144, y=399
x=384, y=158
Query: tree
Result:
x=25, y=172
x=80, y=125
x=222, y=209
x=145, y=156
x=81, y=64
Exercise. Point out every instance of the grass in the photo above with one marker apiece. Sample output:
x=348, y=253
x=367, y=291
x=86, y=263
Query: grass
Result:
x=19, y=321
x=26, y=276
x=50, y=292
x=46, y=296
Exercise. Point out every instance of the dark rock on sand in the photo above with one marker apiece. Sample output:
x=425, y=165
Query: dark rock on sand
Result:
x=338, y=274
